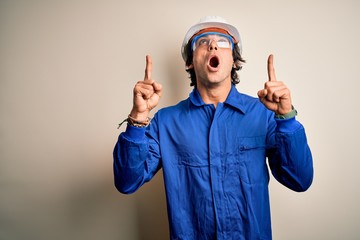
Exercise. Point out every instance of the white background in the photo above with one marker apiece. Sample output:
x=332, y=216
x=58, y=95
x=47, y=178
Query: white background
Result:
x=67, y=70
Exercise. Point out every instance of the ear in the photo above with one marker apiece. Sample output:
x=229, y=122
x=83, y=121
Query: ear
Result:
x=189, y=67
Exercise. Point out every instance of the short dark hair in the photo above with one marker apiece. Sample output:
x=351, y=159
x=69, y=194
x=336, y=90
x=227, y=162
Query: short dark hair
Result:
x=238, y=60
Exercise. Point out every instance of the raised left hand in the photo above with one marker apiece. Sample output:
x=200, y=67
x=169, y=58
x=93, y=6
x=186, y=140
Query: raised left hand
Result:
x=275, y=95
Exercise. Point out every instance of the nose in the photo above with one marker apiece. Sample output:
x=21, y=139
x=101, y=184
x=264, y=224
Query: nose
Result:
x=213, y=45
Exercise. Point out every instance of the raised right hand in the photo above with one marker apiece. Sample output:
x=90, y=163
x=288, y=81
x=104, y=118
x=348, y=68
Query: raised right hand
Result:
x=147, y=94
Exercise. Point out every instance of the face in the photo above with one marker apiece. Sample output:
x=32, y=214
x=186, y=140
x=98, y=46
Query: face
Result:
x=212, y=59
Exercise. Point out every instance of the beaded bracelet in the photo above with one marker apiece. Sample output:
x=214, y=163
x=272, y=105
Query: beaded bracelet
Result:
x=136, y=123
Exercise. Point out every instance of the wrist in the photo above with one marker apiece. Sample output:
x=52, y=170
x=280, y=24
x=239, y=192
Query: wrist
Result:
x=138, y=117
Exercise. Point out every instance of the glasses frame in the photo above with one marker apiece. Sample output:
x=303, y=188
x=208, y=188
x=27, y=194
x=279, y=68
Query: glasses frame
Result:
x=193, y=42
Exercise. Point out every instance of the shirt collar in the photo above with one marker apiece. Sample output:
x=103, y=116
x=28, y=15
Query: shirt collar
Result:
x=195, y=98
x=234, y=99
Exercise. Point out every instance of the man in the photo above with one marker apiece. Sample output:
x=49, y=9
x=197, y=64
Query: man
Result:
x=213, y=146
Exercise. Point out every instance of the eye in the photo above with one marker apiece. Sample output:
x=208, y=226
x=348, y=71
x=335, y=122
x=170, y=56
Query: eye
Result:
x=222, y=40
x=203, y=41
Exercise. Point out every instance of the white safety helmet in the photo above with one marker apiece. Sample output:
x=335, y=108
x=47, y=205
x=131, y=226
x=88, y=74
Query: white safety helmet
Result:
x=210, y=22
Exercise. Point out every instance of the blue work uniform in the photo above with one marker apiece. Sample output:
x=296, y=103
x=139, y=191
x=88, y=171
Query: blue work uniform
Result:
x=214, y=164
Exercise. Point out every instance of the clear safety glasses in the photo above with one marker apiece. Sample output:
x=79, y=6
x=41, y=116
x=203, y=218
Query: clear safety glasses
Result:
x=205, y=39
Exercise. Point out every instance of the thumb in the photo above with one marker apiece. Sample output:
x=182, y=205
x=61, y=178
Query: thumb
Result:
x=157, y=88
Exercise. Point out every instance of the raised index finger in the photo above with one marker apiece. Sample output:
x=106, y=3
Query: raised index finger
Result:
x=270, y=68
x=148, y=68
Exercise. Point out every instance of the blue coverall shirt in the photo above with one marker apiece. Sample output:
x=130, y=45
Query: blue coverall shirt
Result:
x=214, y=164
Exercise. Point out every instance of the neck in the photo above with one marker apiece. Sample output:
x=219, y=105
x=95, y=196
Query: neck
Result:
x=214, y=94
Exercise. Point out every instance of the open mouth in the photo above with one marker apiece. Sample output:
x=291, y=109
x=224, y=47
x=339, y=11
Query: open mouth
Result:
x=214, y=62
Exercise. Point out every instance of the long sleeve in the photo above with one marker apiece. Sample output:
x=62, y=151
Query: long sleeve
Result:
x=291, y=160
x=136, y=159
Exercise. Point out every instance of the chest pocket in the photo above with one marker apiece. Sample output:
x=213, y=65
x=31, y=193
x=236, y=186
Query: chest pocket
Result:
x=251, y=148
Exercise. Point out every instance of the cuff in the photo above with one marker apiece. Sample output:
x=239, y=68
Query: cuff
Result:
x=134, y=133
x=287, y=125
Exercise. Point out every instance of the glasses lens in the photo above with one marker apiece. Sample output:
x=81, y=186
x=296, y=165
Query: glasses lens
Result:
x=223, y=43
